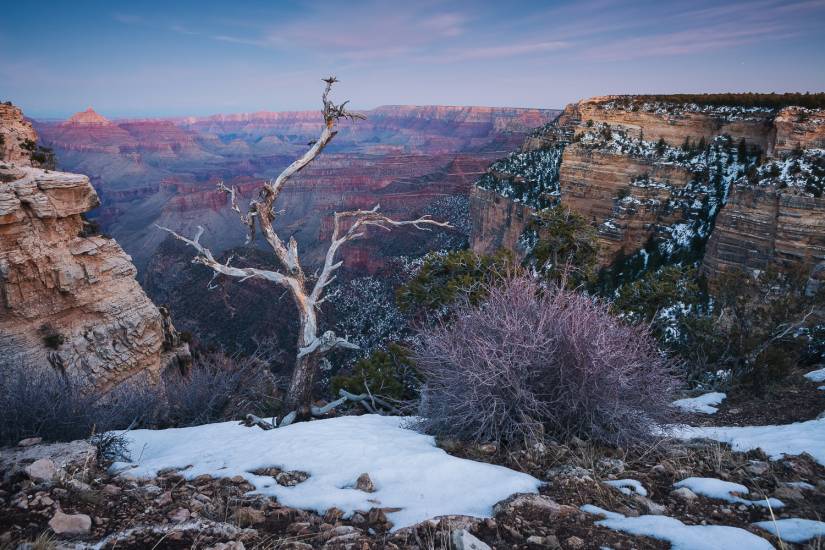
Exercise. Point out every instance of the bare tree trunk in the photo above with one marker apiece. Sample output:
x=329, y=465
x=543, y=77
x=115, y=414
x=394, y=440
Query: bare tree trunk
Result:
x=299, y=394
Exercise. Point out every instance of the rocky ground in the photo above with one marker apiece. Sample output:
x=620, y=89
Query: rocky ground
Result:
x=61, y=496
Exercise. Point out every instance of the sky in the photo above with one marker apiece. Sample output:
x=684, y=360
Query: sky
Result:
x=180, y=57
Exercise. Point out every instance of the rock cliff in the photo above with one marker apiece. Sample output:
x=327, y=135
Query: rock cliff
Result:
x=652, y=177
x=68, y=298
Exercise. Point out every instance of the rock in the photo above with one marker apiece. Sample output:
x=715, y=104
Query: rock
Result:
x=364, y=483
x=43, y=470
x=548, y=541
x=574, y=542
x=111, y=490
x=464, y=540
x=164, y=499
x=290, y=479
x=683, y=493
x=488, y=448
x=71, y=300
x=531, y=506
x=757, y=467
x=247, y=516
x=784, y=492
x=611, y=465
x=661, y=470
x=569, y=470
x=70, y=524
x=231, y=545
x=179, y=515
x=650, y=506
x=29, y=441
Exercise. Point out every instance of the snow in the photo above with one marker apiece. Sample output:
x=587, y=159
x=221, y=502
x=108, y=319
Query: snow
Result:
x=679, y=535
x=408, y=470
x=816, y=375
x=723, y=490
x=776, y=441
x=628, y=486
x=794, y=530
x=703, y=403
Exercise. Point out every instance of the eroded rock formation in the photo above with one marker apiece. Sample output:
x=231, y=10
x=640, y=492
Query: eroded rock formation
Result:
x=68, y=298
x=652, y=177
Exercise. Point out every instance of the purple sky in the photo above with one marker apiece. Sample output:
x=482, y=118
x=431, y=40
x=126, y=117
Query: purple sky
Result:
x=200, y=57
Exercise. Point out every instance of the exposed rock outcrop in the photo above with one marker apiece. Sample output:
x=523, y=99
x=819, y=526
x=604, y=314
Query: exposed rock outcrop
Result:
x=17, y=137
x=652, y=177
x=69, y=299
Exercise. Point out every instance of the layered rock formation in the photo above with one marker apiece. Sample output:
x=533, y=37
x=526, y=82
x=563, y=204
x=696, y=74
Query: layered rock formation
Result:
x=652, y=176
x=17, y=137
x=70, y=300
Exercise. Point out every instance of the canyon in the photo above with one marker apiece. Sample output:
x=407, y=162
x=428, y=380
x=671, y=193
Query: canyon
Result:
x=412, y=160
x=70, y=300
x=734, y=187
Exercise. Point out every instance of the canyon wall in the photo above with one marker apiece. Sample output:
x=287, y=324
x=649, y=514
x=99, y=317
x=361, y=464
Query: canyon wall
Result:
x=653, y=175
x=69, y=300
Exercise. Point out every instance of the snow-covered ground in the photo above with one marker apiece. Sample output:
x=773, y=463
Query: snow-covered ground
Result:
x=787, y=439
x=724, y=490
x=409, y=472
x=704, y=403
x=794, y=530
x=679, y=535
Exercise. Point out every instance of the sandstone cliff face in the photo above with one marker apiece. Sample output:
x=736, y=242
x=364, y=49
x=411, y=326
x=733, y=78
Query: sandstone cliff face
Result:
x=622, y=166
x=69, y=301
x=15, y=133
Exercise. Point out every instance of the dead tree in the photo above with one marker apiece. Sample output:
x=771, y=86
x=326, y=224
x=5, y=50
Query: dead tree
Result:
x=308, y=294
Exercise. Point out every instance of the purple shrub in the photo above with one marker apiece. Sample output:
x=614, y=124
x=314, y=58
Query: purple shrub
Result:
x=531, y=362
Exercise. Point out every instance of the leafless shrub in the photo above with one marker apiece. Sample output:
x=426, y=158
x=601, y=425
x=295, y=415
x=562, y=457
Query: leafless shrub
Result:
x=532, y=361
x=220, y=387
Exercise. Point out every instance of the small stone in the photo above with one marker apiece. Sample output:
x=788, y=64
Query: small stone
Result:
x=179, y=515
x=290, y=479
x=70, y=524
x=661, y=470
x=164, y=499
x=41, y=470
x=783, y=492
x=111, y=490
x=464, y=540
x=574, y=542
x=757, y=467
x=684, y=493
x=247, y=516
x=651, y=507
x=611, y=465
x=549, y=541
x=364, y=483
x=29, y=441
x=488, y=448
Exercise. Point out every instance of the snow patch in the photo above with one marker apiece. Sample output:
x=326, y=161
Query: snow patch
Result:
x=703, y=403
x=679, y=535
x=628, y=486
x=794, y=530
x=816, y=376
x=776, y=441
x=723, y=490
x=407, y=468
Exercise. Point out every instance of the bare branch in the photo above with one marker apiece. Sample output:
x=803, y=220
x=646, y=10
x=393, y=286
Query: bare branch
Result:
x=327, y=342
x=206, y=258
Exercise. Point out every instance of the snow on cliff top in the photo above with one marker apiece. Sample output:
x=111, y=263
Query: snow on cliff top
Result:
x=408, y=470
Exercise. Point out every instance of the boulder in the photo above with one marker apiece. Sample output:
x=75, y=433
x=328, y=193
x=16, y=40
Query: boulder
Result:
x=70, y=524
x=464, y=540
x=42, y=470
